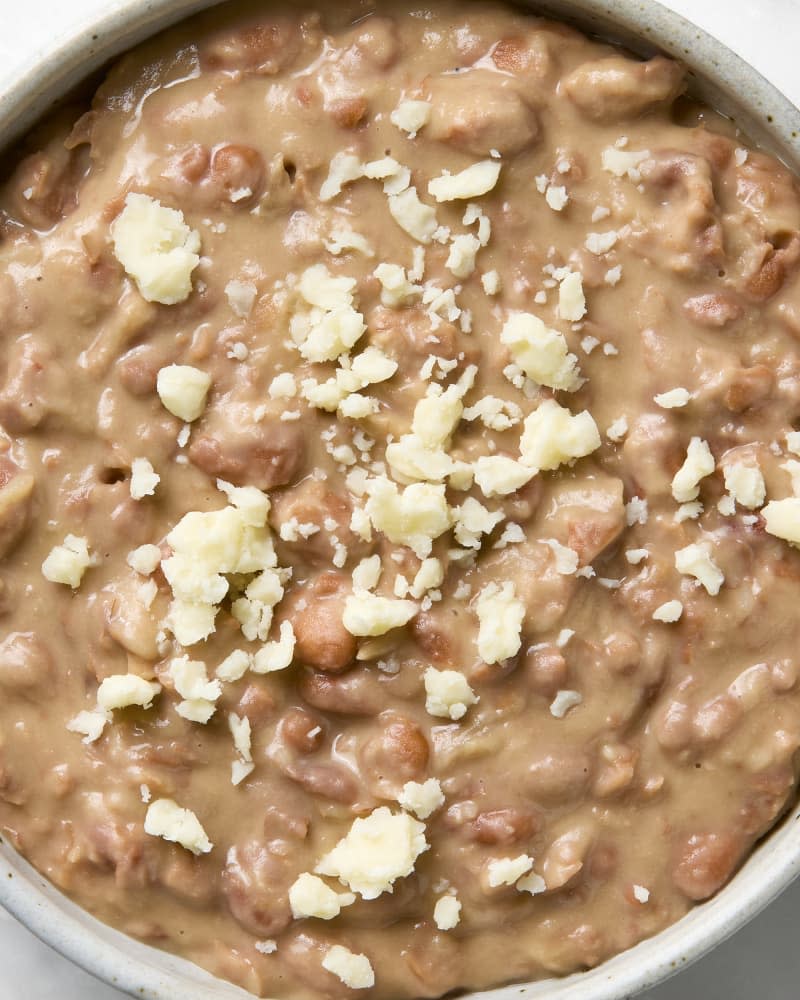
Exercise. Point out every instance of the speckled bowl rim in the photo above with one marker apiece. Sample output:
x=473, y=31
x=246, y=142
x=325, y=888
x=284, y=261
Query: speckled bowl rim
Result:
x=728, y=83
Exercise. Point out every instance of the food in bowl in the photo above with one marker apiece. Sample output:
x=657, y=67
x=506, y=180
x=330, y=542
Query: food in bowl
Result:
x=398, y=507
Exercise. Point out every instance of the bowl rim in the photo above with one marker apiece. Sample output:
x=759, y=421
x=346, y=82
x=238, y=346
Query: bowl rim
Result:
x=719, y=76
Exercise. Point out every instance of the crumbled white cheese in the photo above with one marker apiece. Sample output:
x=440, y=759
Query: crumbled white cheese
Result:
x=144, y=479
x=207, y=545
x=234, y=666
x=267, y=947
x=412, y=215
x=429, y=576
x=635, y=556
x=566, y=559
x=183, y=390
x=411, y=116
x=368, y=614
x=670, y=611
x=617, y=431
x=745, y=483
x=554, y=436
x=241, y=295
x=328, y=325
x=276, y=655
x=640, y=894
x=367, y=573
x=636, y=511
x=472, y=521
x=673, y=398
x=463, y=252
x=190, y=680
x=507, y=871
x=66, y=563
x=421, y=798
x=740, y=156
x=344, y=168
x=156, y=248
x=396, y=289
x=124, y=690
x=474, y=181
x=500, y=614
x=377, y=850
x=491, y=282
x=600, y=243
x=283, y=386
x=620, y=163
x=782, y=519
x=309, y=896
x=695, y=560
x=412, y=517
x=89, y=724
x=354, y=970
x=563, y=702
x=448, y=694
x=532, y=883
x=145, y=559
x=793, y=442
x=168, y=820
x=541, y=352
x=571, y=300
x=698, y=464
x=495, y=413
x=447, y=913
x=556, y=197
x=499, y=475
x=688, y=511
x=240, y=731
x=343, y=239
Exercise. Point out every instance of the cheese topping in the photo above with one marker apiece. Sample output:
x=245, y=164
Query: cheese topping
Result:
x=156, y=248
x=698, y=464
x=166, y=819
x=353, y=970
x=500, y=614
x=379, y=849
x=68, y=562
x=542, y=353
x=472, y=182
x=183, y=390
x=448, y=694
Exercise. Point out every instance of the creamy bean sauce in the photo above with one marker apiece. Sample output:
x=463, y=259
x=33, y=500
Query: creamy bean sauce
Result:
x=621, y=723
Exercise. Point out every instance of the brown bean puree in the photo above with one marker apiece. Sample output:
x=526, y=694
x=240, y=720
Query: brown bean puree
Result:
x=399, y=492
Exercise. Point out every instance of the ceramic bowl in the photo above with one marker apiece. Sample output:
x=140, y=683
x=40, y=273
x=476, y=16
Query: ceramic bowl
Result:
x=720, y=78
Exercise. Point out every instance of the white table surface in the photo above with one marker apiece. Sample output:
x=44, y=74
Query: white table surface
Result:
x=763, y=960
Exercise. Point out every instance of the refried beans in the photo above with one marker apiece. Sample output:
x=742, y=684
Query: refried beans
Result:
x=399, y=498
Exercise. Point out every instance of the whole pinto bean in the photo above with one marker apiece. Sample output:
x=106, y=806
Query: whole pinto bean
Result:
x=616, y=87
x=705, y=861
x=255, y=883
x=354, y=693
x=397, y=751
x=234, y=447
x=315, y=611
x=505, y=826
x=263, y=47
x=480, y=111
x=16, y=498
x=25, y=662
x=298, y=736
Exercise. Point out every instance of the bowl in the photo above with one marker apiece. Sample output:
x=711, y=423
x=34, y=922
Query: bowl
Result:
x=718, y=77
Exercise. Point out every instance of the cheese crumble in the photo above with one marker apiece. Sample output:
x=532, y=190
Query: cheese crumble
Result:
x=156, y=248
x=166, y=819
x=379, y=849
